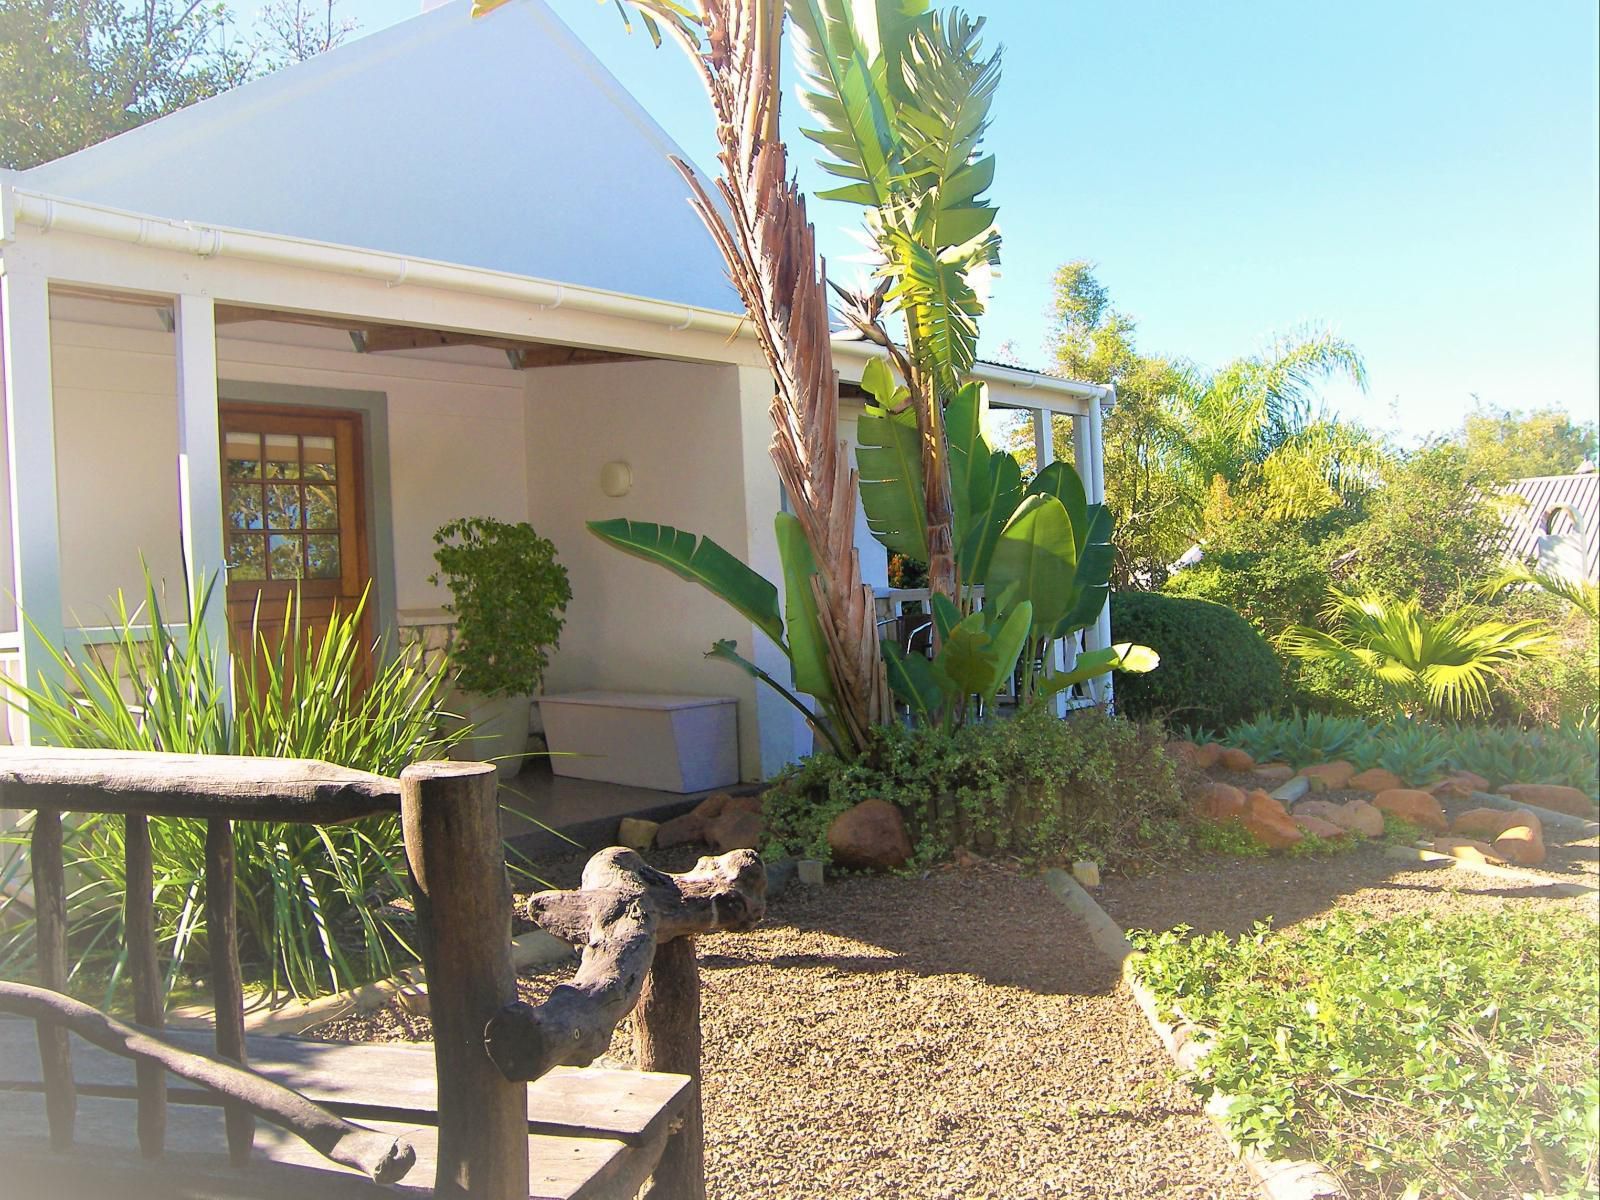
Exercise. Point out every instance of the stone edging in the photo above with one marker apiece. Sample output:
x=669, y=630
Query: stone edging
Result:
x=1548, y=817
x=294, y=1017
x=1278, y=1179
x=1421, y=854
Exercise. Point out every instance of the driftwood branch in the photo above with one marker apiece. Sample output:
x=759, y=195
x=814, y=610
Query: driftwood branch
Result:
x=623, y=910
x=192, y=785
x=384, y=1158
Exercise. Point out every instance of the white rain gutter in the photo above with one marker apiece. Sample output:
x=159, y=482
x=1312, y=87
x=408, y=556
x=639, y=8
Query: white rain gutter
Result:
x=46, y=213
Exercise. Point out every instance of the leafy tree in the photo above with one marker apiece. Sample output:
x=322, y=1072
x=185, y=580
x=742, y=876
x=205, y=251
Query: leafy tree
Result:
x=291, y=31
x=1504, y=445
x=1446, y=665
x=80, y=71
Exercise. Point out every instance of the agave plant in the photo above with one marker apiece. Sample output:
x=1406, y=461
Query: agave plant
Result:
x=1304, y=738
x=1442, y=665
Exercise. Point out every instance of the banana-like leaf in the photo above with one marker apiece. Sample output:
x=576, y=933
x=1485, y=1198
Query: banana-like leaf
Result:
x=1124, y=656
x=699, y=560
x=878, y=381
x=728, y=652
x=911, y=678
x=969, y=450
x=889, y=459
x=1092, y=579
x=992, y=506
x=808, y=651
x=847, y=94
x=980, y=652
x=1010, y=639
x=1061, y=481
x=946, y=616
x=1038, y=557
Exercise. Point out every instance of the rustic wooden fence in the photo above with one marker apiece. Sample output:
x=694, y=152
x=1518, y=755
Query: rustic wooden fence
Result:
x=633, y=924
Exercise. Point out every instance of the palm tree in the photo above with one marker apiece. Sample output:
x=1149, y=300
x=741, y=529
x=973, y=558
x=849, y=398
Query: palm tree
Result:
x=1443, y=665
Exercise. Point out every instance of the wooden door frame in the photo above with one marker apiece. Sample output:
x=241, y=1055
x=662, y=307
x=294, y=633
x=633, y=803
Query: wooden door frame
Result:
x=373, y=407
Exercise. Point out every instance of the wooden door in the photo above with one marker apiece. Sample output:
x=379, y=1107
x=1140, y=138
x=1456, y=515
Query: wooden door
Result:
x=293, y=496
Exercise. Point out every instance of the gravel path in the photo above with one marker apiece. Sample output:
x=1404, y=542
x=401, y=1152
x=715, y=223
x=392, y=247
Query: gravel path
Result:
x=955, y=1036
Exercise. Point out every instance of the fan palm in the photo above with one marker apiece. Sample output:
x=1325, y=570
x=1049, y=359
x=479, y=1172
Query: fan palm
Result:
x=1444, y=664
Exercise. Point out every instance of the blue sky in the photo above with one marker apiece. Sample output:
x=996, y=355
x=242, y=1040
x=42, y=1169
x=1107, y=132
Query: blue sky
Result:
x=1419, y=176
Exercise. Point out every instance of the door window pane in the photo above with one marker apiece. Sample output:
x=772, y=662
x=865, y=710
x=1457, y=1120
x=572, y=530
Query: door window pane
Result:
x=243, y=452
x=322, y=556
x=283, y=506
x=244, y=506
x=321, y=462
x=322, y=507
x=247, y=556
x=283, y=456
x=284, y=557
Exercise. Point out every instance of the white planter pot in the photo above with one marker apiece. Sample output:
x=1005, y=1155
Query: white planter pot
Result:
x=500, y=727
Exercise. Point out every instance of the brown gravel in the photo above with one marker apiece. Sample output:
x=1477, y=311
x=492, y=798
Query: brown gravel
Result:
x=954, y=1036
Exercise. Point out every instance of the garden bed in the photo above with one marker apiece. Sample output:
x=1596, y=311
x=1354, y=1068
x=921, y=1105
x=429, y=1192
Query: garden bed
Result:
x=951, y=1036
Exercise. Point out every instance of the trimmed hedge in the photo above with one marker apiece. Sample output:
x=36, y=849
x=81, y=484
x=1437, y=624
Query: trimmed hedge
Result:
x=1215, y=671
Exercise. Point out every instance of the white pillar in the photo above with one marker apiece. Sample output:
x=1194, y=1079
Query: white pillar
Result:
x=1044, y=441
x=1101, y=634
x=200, y=466
x=31, y=459
x=782, y=735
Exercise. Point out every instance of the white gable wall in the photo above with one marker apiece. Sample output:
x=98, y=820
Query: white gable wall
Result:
x=499, y=142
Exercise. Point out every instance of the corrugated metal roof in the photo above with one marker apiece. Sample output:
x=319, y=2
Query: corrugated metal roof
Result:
x=1558, y=513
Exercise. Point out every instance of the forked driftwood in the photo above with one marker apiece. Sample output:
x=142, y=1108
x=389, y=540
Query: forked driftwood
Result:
x=381, y=1156
x=623, y=910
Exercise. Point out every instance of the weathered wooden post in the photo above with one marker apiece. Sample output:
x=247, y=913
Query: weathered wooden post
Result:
x=50, y=915
x=451, y=817
x=227, y=980
x=666, y=1037
x=144, y=969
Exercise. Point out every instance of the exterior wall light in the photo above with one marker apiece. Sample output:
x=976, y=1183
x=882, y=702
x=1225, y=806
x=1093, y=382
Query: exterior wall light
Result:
x=616, y=478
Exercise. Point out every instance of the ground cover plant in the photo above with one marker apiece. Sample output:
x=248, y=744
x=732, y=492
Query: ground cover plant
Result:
x=1034, y=787
x=1420, y=752
x=312, y=899
x=1423, y=1056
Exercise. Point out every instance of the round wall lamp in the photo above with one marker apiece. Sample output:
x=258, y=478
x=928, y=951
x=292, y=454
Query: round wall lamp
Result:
x=616, y=478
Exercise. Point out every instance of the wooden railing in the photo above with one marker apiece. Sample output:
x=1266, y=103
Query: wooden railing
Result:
x=635, y=926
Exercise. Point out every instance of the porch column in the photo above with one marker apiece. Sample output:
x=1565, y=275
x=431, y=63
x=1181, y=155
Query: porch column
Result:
x=783, y=734
x=31, y=461
x=1101, y=633
x=1060, y=654
x=200, y=466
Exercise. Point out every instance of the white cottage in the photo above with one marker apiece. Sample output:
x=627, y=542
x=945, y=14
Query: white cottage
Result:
x=449, y=265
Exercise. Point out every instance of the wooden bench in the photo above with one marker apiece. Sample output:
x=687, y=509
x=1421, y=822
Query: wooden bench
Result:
x=460, y=1118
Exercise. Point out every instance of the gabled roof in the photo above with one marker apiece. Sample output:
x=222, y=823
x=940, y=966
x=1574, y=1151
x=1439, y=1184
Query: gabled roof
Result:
x=499, y=143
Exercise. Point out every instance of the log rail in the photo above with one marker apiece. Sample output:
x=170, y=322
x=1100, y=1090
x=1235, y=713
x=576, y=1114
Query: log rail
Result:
x=635, y=927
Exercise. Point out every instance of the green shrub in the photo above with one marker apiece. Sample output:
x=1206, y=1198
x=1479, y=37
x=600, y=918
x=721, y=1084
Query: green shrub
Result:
x=1215, y=669
x=311, y=898
x=1229, y=839
x=1423, y=1056
x=1036, y=787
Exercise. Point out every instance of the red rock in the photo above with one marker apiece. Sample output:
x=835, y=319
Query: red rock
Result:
x=1231, y=758
x=870, y=837
x=1553, y=796
x=1329, y=776
x=1459, y=784
x=681, y=831
x=1205, y=757
x=1222, y=802
x=1317, y=827
x=1359, y=817
x=1521, y=844
x=736, y=828
x=1415, y=806
x=1375, y=779
x=1267, y=821
x=1468, y=850
x=1273, y=774
x=1321, y=809
x=1492, y=822
x=1183, y=752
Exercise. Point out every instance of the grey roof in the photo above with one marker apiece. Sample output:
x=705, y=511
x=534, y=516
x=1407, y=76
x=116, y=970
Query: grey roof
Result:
x=1555, y=508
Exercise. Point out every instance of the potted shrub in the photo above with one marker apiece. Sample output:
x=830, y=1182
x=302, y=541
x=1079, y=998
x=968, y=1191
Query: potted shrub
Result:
x=508, y=594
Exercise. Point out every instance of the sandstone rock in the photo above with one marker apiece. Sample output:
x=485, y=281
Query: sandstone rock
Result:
x=1231, y=758
x=809, y=871
x=1272, y=774
x=1467, y=850
x=1359, y=817
x=1412, y=805
x=870, y=837
x=735, y=829
x=1375, y=779
x=1325, y=812
x=1491, y=822
x=1087, y=873
x=1459, y=784
x=1205, y=757
x=1317, y=827
x=1329, y=776
x=1552, y=796
x=1521, y=844
x=1268, y=823
x=1222, y=802
x=636, y=834
x=681, y=831
x=718, y=803
x=1182, y=751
